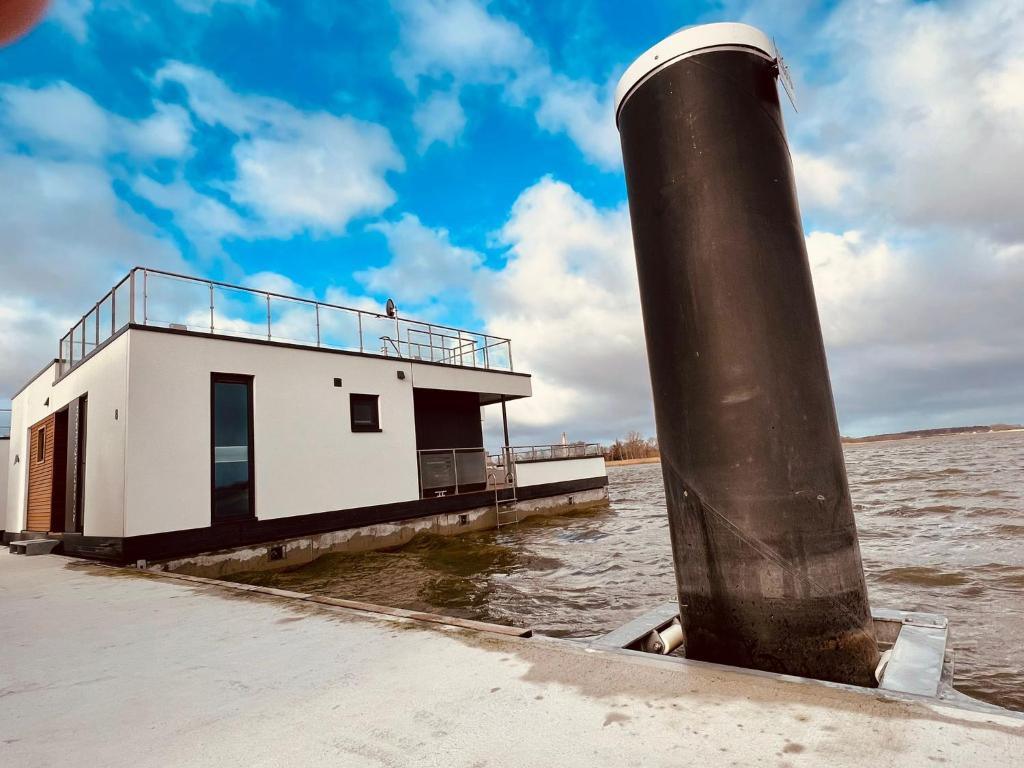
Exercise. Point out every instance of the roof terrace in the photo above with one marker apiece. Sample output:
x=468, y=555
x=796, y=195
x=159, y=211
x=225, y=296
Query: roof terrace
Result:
x=159, y=299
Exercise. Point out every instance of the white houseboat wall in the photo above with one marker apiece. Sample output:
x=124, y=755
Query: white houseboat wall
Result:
x=186, y=417
x=5, y=458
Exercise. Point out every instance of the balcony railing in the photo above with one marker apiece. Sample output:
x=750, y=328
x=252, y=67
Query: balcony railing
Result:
x=524, y=453
x=5, y=422
x=449, y=471
x=155, y=298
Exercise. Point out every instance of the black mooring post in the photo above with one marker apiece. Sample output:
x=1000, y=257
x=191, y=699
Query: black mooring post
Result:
x=767, y=560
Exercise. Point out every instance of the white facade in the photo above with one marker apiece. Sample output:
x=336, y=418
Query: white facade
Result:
x=558, y=470
x=148, y=429
x=105, y=379
x=307, y=459
x=5, y=461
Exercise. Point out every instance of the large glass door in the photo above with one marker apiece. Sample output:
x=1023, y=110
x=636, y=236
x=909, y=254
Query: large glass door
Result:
x=232, y=449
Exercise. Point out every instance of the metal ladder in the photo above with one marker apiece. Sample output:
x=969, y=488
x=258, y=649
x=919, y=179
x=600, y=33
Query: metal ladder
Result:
x=510, y=515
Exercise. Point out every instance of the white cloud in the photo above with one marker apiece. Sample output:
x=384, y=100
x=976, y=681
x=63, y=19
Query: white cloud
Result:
x=460, y=39
x=924, y=101
x=294, y=170
x=206, y=219
x=59, y=118
x=207, y=6
x=275, y=282
x=72, y=15
x=425, y=267
x=67, y=239
x=439, y=119
x=853, y=280
x=463, y=43
x=57, y=115
x=1002, y=88
x=165, y=133
x=822, y=181
x=568, y=300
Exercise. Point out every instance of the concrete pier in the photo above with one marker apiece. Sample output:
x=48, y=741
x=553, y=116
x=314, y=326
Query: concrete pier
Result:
x=115, y=667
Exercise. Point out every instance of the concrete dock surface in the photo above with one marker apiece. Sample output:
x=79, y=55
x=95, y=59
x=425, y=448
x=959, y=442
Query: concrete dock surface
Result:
x=113, y=667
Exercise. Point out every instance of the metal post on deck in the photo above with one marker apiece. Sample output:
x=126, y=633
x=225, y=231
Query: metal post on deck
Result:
x=145, y=297
x=268, y=317
x=211, y=307
x=317, y=308
x=131, y=296
x=359, y=319
x=504, y=420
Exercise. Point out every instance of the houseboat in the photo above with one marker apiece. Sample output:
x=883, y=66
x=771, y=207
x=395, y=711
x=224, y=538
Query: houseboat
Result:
x=192, y=421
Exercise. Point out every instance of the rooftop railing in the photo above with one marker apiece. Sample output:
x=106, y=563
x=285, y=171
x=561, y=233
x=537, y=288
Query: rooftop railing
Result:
x=155, y=298
x=5, y=422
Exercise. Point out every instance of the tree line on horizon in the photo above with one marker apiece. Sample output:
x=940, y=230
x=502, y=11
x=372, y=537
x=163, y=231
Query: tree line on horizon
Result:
x=632, y=446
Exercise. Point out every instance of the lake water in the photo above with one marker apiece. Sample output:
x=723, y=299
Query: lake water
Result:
x=941, y=524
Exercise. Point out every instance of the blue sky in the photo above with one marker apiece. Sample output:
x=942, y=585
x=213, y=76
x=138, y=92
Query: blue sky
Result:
x=461, y=156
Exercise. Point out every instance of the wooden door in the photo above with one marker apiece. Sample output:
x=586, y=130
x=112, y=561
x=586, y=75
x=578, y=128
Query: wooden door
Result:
x=41, y=473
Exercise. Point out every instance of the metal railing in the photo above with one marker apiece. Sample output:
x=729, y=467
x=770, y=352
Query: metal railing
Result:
x=5, y=422
x=448, y=471
x=524, y=453
x=156, y=298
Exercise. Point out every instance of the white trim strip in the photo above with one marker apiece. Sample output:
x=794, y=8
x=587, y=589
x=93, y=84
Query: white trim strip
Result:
x=691, y=41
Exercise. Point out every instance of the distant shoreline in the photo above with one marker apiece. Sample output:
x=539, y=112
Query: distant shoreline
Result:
x=627, y=462
x=917, y=434
x=940, y=432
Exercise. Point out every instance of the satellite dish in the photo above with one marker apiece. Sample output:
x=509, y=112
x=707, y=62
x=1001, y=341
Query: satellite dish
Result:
x=391, y=309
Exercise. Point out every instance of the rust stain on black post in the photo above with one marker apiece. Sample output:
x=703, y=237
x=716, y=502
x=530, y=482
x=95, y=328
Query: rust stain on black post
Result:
x=767, y=559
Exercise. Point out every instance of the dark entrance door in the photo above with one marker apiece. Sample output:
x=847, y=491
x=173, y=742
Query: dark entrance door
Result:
x=74, y=503
x=231, y=449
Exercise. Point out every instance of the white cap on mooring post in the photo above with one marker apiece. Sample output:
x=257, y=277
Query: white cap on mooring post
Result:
x=690, y=41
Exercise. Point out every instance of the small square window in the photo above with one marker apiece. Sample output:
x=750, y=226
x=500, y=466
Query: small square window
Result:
x=365, y=413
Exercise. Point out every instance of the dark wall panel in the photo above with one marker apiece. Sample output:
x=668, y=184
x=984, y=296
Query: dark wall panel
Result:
x=447, y=419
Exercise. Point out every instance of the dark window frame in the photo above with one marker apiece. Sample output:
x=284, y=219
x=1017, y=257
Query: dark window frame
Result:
x=362, y=427
x=41, y=445
x=232, y=378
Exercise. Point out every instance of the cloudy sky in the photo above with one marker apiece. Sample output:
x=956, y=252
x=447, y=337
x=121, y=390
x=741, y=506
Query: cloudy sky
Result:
x=461, y=157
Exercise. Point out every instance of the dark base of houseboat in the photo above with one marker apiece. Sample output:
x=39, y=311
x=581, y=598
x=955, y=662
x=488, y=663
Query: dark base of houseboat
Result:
x=164, y=546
